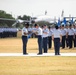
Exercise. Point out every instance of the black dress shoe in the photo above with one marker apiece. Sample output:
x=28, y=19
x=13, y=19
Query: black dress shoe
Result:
x=39, y=54
x=63, y=48
x=58, y=54
x=70, y=48
x=25, y=54
x=45, y=52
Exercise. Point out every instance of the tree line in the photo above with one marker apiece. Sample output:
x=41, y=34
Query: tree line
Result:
x=8, y=23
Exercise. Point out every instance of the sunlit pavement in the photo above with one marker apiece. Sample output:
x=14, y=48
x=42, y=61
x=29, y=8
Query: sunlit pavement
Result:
x=35, y=54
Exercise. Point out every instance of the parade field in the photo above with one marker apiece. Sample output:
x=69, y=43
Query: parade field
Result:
x=37, y=65
x=56, y=65
x=37, y=37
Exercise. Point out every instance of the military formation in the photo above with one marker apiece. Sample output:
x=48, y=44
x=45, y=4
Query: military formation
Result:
x=62, y=36
x=8, y=32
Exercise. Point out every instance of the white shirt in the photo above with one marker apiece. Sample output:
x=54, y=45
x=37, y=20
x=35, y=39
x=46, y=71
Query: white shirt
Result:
x=56, y=33
x=39, y=30
x=47, y=31
x=66, y=29
x=70, y=31
x=0, y=30
x=63, y=31
x=24, y=30
x=29, y=29
x=50, y=33
x=33, y=29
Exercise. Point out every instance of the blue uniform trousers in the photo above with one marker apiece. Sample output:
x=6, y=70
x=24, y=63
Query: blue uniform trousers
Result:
x=67, y=42
x=70, y=37
x=75, y=41
x=49, y=41
x=57, y=46
x=40, y=43
x=63, y=41
x=45, y=43
x=24, y=40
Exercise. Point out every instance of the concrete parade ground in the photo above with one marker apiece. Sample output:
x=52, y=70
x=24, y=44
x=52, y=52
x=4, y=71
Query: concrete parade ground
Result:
x=35, y=54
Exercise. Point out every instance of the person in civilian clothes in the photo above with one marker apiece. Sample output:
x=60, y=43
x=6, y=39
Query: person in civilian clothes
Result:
x=63, y=31
x=24, y=38
x=38, y=32
x=70, y=34
x=45, y=38
x=50, y=38
x=57, y=38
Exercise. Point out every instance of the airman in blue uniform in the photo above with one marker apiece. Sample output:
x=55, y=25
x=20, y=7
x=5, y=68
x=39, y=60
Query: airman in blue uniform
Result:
x=45, y=38
x=57, y=38
x=70, y=33
x=24, y=38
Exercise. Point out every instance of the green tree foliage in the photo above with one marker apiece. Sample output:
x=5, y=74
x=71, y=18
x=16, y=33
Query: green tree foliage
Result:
x=3, y=14
x=24, y=17
x=8, y=23
x=19, y=17
x=41, y=23
x=3, y=22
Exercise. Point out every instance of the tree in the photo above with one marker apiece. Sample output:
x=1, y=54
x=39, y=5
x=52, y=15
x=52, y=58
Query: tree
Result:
x=41, y=23
x=9, y=23
x=6, y=22
x=3, y=14
x=19, y=17
x=24, y=17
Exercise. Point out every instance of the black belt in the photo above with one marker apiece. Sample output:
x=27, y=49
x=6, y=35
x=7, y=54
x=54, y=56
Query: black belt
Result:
x=24, y=36
x=63, y=35
x=44, y=37
x=70, y=35
x=49, y=36
x=39, y=35
x=56, y=38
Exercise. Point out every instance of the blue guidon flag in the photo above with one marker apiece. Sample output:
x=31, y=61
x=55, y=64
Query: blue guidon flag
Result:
x=72, y=21
x=64, y=21
x=59, y=22
x=29, y=36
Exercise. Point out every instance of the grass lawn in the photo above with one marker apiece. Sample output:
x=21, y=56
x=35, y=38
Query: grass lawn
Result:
x=34, y=65
x=37, y=65
x=14, y=45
